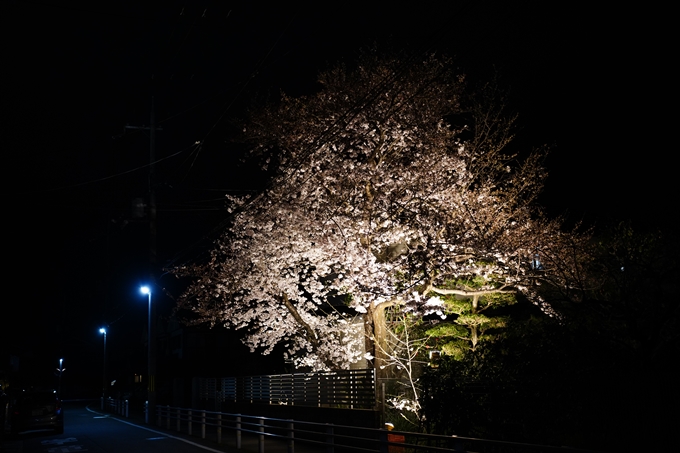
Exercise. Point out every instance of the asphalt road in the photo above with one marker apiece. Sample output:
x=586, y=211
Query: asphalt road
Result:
x=88, y=429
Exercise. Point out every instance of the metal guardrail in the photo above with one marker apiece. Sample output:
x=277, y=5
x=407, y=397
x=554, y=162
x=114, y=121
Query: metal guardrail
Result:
x=353, y=389
x=304, y=437
x=117, y=406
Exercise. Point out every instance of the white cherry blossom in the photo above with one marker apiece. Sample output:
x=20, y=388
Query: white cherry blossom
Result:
x=382, y=196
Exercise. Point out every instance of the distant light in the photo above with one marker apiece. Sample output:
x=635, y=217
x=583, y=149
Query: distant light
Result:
x=145, y=290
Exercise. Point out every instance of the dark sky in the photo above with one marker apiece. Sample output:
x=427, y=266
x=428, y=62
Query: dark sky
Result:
x=594, y=83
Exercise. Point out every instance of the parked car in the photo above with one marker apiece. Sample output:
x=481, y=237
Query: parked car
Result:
x=36, y=410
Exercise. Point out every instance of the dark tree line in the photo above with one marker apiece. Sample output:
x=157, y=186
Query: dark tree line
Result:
x=600, y=376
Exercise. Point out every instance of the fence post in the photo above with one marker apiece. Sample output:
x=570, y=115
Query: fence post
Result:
x=189, y=420
x=202, y=424
x=238, y=432
x=330, y=438
x=179, y=419
x=384, y=445
x=261, y=436
x=167, y=417
x=291, y=437
x=219, y=428
x=458, y=445
x=159, y=413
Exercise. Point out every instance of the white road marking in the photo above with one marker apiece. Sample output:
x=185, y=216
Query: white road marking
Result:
x=162, y=434
x=59, y=441
x=68, y=449
x=61, y=448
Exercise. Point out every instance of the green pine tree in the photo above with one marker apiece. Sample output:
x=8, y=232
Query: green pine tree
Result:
x=471, y=318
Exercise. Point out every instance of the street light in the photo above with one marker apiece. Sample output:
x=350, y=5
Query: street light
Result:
x=61, y=369
x=103, y=332
x=150, y=385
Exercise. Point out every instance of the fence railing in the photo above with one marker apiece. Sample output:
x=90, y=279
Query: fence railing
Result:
x=353, y=389
x=117, y=406
x=271, y=434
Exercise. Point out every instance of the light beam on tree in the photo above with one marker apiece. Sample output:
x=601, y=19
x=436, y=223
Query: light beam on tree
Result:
x=382, y=196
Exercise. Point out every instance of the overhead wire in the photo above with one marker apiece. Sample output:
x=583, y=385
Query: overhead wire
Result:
x=336, y=126
x=324, y=138
x=105, y=178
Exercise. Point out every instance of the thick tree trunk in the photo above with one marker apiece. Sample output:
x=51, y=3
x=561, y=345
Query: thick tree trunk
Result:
x=375, y=339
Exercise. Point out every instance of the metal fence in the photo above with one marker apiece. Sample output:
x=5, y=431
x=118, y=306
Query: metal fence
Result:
x=277, y=435
x=351, y=389
x=266, y=434
x=116, y=406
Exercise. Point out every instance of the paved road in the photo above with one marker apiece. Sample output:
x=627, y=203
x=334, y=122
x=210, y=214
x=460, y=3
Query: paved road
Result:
x=86, y=429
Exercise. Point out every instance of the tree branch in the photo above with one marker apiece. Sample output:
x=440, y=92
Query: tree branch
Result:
x=463, y=292
x=310, y=334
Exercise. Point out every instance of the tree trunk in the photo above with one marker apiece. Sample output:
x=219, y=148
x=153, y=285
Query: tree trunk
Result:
x=473, y=329
x=375, y=339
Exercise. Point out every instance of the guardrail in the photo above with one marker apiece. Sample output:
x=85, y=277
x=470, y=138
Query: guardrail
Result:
x=271, y=433
x=117, y=406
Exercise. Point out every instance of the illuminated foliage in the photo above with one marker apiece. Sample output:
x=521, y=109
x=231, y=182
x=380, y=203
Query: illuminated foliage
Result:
x=389, y=183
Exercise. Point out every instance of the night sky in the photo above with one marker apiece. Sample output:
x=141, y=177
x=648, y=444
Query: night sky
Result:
x=595, y=84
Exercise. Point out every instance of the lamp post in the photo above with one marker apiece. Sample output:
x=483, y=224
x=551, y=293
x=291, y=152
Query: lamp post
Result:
x=60, y=370
x=151, y=363
x=103, y=332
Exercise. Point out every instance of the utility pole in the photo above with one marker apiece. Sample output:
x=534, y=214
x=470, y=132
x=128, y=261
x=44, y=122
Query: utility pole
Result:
x=153, y=259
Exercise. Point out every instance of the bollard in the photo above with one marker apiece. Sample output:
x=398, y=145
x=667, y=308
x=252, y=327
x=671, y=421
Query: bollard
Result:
x=167, y=417
x=202, y=424
x=189, y=420
x=179, y=419
x=146, y=412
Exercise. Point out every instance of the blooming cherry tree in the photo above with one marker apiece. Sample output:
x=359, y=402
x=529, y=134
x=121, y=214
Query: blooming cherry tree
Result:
x=382, y=196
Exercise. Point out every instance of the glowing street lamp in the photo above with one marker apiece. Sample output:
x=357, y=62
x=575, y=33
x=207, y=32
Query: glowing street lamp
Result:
x=61, y=369
x=103, y=332
x=150, y=385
